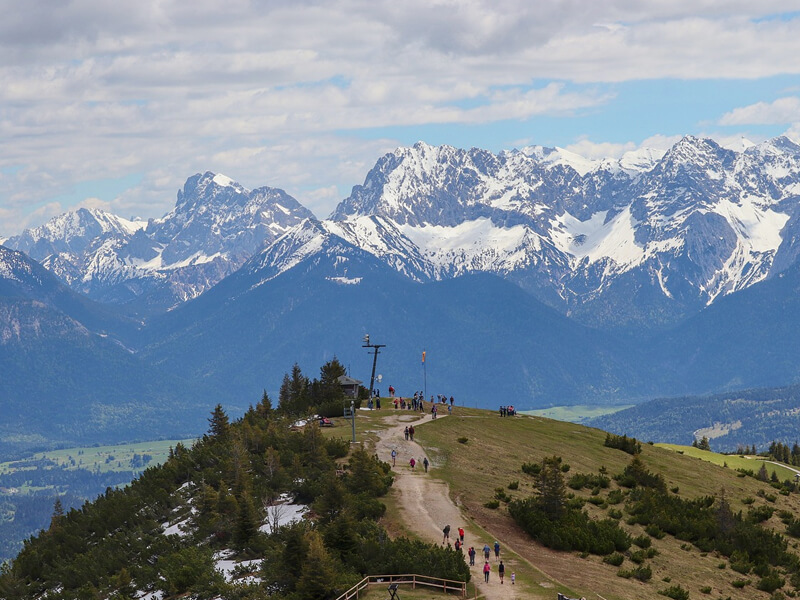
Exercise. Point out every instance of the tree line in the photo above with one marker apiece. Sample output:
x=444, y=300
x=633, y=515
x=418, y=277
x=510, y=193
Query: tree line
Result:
x=222, y=490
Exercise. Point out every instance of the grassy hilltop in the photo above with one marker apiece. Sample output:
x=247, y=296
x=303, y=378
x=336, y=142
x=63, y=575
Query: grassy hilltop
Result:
x=661, y=521
x=492, y=457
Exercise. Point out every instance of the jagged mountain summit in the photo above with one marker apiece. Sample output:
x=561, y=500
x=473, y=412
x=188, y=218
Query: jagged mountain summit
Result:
x=642, y=240
x=215, y=227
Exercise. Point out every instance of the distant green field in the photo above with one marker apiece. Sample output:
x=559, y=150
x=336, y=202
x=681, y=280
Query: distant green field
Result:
x=577, y=413
x=732, y=461
x=101, y=458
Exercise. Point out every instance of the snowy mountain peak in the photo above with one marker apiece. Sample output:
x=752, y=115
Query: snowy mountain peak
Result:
x=215, y=226
x=224, y=181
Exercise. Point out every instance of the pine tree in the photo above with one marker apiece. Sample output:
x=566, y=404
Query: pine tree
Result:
x=551, y=488
x=318, y=575
x=264, y=407
x=704, y=445
x=247, y=522
x=58, y=514
x=328, y=390
x=219, y=424
x=294, y=398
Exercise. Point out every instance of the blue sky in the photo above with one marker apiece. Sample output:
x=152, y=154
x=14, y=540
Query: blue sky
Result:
x=115, y=105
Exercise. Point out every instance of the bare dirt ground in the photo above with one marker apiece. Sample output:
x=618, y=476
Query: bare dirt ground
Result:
x=426, y=508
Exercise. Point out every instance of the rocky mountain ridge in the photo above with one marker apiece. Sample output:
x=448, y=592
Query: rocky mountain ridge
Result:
x=642, y=241
x=215, y=226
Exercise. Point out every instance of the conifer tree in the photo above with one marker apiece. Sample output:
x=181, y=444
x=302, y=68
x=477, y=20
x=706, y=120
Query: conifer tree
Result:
x=219, y=425
x=247, y=522
x=293, y=397
x=318, y=575
x=551, y=488
x=264, y=407
x=58, y=513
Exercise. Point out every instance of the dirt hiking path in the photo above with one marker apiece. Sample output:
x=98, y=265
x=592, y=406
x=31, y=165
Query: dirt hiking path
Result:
x=426, y=508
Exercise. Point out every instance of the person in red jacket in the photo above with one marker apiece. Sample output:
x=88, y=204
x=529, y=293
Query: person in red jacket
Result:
x=486, y=570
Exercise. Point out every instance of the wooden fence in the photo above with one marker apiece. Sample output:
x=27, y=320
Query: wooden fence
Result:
x=445, y=585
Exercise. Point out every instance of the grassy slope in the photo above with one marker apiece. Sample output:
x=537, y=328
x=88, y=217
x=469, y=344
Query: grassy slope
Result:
x=731, y=460
x=492, y=457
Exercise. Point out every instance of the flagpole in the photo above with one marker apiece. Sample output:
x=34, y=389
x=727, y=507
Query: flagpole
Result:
x=424, y=377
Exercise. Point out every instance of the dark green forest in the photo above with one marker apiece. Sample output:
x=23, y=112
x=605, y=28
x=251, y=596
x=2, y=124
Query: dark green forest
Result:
x=222, y=489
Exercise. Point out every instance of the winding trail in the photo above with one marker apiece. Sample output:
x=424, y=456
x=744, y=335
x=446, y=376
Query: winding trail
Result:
x=426, y=506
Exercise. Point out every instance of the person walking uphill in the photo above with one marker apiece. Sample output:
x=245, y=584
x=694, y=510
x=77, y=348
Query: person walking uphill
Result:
x=425, y=463
x=496, y=549
x=486, y=551
x=501, y=570
x=446, y=532
x=486, y=570
x=471, y=553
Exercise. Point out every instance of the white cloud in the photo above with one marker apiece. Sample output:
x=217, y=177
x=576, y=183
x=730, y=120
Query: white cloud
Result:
x=778, y=112
x=588, y=149
x=275, y=93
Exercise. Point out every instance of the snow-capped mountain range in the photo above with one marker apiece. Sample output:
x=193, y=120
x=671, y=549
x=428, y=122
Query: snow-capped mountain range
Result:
x=216, y=226
x=643, y=239
x=676, y=229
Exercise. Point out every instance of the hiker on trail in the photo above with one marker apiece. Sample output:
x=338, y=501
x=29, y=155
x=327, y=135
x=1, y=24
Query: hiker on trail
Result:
x=450, y=410
x=486, y=551
x=472, y=553
x=486, y=570
x=412, y=462
x=496, y=549
x=457, y=545
x=461, y=534
x=411, y=433
x=446, y=532
x=425, y=464
x=378, y=403
x=513, y=577
x=405, y=432
x=391, y=392
x=501, y=570
x=394, y=455
x=451, y=400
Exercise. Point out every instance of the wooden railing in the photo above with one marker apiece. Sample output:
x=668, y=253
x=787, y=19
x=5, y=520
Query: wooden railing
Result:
x=445, y=585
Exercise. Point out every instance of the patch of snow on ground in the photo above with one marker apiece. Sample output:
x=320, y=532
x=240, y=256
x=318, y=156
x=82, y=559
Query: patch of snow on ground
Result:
x=158, y=595
x=176, y=529
x=284, y=512
x=226, y=566
x=345, y=280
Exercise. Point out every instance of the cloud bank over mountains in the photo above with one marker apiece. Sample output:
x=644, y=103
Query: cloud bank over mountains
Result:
x=104, y=108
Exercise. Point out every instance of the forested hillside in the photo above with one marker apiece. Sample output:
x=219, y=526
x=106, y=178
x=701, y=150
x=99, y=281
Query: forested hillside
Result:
x=218, y=505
